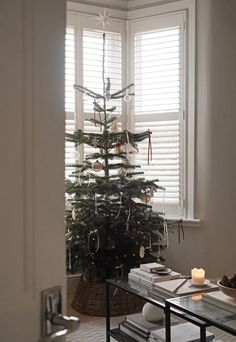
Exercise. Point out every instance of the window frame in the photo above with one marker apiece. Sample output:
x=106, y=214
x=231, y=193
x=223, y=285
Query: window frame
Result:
x=138, y=14
x=150, y=24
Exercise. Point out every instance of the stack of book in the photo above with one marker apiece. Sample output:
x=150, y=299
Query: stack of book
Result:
x=184, y=332
x=146, y=280
x=145, y=277
x=138, y=328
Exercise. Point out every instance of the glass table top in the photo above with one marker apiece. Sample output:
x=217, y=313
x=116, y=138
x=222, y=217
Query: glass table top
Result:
x=201, y=306
x=131, y=287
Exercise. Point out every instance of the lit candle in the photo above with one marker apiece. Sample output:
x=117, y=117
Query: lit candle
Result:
x=198, y=276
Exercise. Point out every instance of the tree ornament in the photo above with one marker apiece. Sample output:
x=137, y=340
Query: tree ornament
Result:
x=127, y=98
x=151, y=191
x=85, y=97
x=94, y=142
x=73, y=214
x=128, y=148
x=93, y=242
x=145, y=198
x=118, y=147
x=114, y=126
x=136, y=147
x=142, y=252
x=74, y=155
x=122, y=173
x=97, y=166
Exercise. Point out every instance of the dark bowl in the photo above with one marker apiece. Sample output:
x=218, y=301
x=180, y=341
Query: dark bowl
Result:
x=228, y=291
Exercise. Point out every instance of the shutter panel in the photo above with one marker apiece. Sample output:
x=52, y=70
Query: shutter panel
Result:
x=70, y=124
x=165, y=158
x=69, y=69
x=92, y=76
x=157, y=71
x=92, y=64
x=158, y=78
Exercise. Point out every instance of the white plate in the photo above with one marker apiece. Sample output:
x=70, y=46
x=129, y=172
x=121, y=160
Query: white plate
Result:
x=206, y=282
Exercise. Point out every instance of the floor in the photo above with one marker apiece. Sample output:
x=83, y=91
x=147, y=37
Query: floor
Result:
x=92, y=328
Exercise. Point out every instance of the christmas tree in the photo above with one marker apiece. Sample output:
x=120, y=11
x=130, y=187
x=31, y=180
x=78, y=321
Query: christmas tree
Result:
x=110, y=224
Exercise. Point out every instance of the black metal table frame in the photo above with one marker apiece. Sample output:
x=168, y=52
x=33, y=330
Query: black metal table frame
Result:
x=167, y=310
x=169, y=306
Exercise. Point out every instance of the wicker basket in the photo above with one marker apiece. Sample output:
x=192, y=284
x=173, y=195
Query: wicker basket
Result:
x=90, y=299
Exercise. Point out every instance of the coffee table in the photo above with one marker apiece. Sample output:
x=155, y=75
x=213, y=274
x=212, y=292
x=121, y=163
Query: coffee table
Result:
x=208, y=310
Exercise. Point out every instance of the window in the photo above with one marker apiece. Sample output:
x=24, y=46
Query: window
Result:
x=158, y=73
x=156, y=54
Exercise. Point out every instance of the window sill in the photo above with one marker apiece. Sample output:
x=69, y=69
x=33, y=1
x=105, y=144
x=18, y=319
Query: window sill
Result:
x=187, y=222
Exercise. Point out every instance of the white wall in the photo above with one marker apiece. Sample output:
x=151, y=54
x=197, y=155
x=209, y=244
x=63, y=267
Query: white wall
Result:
x=213, y=245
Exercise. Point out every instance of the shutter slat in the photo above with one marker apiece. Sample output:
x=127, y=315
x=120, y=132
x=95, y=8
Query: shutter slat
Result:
x=92, y=63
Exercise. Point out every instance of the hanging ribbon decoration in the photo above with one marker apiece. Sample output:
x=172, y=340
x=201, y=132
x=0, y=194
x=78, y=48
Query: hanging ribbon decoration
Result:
x=95, y=203
x=166, y=233
x=69, y=257
x=149, y=147
x=118, y=214
x=180, y=229
x=128, y=218
x=94, y=114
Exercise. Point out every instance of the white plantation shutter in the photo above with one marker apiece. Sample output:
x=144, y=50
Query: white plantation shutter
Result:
x=70, y=124
x=92, y=64
x=159, y=102
x=92, y=76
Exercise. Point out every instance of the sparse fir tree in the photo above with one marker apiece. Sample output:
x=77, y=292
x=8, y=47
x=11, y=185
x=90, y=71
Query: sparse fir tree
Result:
x=110, y=224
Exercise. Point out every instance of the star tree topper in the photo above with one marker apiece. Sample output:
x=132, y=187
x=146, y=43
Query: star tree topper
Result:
x=104, y=18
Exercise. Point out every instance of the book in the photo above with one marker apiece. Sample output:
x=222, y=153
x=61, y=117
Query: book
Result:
x=138, y=322
x=136, y=285
x=135, y=328
x=140, y=280
x=220, y=298
x=168, y=287
x=133, y=333
x=181, y=333
x=153, y=266
x=154, y=278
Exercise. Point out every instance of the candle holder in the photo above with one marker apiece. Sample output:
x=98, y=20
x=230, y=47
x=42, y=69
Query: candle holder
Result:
x=198, y=276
